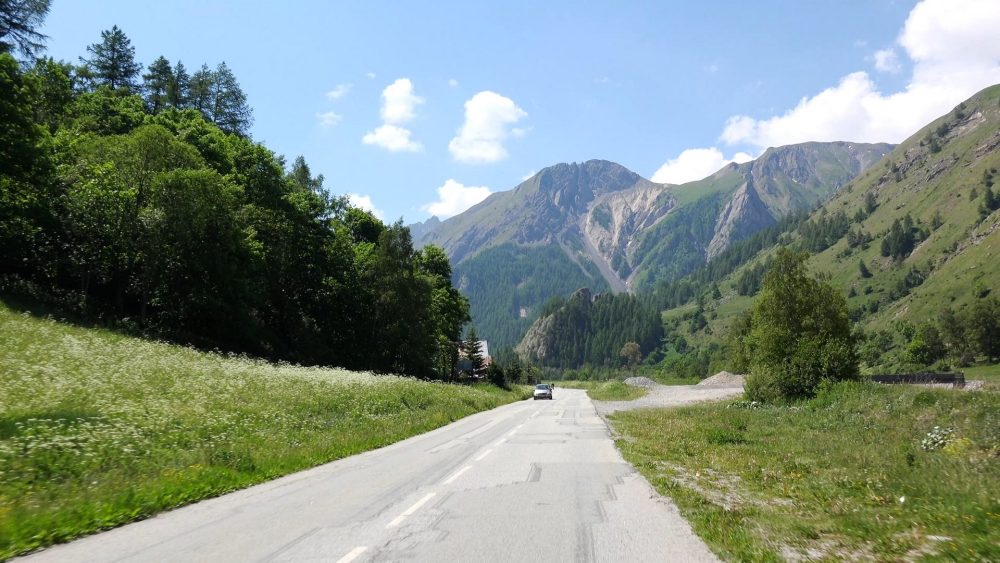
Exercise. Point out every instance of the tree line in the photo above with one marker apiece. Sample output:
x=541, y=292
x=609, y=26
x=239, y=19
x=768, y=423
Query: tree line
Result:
x=161, y=216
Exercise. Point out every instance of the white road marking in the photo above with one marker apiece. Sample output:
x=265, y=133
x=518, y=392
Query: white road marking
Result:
x=353, y=554
x=465, y=437
x=500, y=441
x=459, y=472
x=484, y=454
x=410, y=510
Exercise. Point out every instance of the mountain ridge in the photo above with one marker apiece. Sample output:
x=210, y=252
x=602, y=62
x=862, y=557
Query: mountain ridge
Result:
x=611, y=223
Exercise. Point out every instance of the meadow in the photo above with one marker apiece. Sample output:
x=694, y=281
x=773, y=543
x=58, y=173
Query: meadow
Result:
x=860, y=472
x=99, y=429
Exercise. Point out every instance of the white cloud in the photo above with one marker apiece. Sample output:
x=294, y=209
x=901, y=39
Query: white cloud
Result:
x=338, y=92
x=365, y=202
x=399, y=103
x=487, y=118
x=329, y=118
x=886, y=60
x=452, y=82
x=695, y=164
x=454, y=198
x=952, y=45
x=392, y=138
x=529, y=175
x=370, y=75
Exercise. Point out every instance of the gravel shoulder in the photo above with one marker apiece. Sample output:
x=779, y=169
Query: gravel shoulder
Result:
x=669, y=396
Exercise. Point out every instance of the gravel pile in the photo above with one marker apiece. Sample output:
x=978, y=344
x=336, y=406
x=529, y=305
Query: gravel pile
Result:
x=640, y=382
x=722, y=379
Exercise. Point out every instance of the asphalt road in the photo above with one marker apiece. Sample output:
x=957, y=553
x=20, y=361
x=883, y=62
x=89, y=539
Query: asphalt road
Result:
x=530, y=481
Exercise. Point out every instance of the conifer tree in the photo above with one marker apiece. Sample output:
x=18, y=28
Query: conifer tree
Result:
x=156, y=83
x=230, y=110
x=863, y=270
x=179, y=87
x=18, y=20
x=471, y=347
x=200, y=94
x=112, y=61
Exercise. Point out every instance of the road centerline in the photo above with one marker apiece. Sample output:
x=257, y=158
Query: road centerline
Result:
x=457, y=474
x=353, y=554
x=409, y=511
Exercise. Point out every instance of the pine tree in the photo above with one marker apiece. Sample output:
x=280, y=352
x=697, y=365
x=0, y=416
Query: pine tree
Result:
x=112, y=61
x=179, y=87
x=18, y=20
x=200, y=94
x=156, y=83
x=863, y=270
x=230, y=110
x=473, y=351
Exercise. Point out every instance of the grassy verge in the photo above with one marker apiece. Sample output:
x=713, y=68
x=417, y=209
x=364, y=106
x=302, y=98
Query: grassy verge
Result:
x=98, y=429
x=990, y=374
x=606, y=390
x=858, y=473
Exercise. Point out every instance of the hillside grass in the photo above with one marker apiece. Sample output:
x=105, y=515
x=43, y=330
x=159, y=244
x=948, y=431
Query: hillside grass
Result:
x=854, y=474
x=606, y=390
x=98, y=429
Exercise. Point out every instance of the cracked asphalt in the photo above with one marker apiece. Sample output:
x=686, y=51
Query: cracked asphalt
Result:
x=530, y=481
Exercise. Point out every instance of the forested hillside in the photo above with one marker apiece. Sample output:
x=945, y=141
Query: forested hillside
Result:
x=507, y=285
x=136, y=199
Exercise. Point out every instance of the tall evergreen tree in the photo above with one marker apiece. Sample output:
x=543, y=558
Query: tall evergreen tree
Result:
x=18, y=22
x=112, y=61
x=179, y=87
x=230, y=110
x=156, y=83
x=473, y=352
x=200, y=96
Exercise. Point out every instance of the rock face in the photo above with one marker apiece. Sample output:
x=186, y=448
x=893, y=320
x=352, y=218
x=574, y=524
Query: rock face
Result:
x=615, y=221
x=546, y=208
x=743, y=215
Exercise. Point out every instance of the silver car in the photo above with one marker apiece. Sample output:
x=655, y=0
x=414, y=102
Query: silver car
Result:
x=543, y=391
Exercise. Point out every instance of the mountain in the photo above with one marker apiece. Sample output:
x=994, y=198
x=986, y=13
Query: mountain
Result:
x=600, y=225
x=912, y=242
x=739, y=200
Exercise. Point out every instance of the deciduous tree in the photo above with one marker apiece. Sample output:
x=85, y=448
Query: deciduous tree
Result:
x=800, y=333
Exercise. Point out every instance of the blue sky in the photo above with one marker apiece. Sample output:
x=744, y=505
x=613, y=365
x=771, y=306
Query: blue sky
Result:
x=420, y=108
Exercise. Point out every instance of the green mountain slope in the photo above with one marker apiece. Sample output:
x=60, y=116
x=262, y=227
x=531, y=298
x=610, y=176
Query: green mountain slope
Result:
x=923, y=225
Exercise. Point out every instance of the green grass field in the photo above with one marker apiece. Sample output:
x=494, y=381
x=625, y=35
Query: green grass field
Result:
x=861, y=472
x=612, y=390
x=98, y=429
